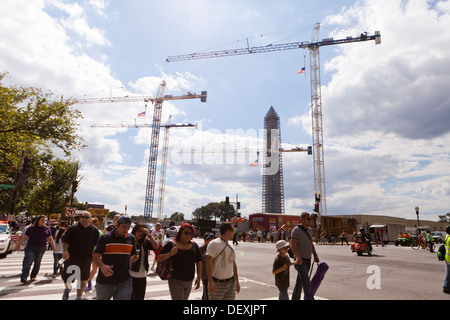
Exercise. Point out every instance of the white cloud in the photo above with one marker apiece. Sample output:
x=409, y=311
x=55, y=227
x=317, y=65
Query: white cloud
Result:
x=385, y=109
x=400, y=84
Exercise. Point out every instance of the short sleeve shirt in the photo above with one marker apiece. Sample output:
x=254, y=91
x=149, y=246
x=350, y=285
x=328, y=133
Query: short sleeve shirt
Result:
x=81, y=240
x=282, y=278
x=38, y=236
x=116, y=251
x=184, y=261
x=304, y=245
x=158, y=235
x=224, y=256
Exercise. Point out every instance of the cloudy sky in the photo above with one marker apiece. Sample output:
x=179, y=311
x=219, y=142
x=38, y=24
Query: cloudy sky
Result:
x=385, y=107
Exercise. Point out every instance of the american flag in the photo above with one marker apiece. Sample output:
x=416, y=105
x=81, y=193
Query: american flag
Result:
x=142, y=114
x=254, y=163
x=302, y=70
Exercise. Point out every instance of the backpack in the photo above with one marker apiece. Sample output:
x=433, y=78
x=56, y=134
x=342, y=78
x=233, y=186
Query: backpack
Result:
x=441, y=253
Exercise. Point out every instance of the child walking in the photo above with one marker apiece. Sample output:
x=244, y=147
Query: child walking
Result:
x=280, y=269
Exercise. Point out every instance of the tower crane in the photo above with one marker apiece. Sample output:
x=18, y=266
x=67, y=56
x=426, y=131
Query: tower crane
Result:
x=162, y=181
x=316, y=99
x=156, y=128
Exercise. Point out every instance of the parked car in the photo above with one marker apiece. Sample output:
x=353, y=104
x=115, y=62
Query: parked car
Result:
x=438, y=236
x=5, y=239
x=172, y=231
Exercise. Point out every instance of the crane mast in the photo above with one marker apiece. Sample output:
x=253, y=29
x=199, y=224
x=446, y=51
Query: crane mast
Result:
x=162, y=181
x=316, y=100
x=317, y=129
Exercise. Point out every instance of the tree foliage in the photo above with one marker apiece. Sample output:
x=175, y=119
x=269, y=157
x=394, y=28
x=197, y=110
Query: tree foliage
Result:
x=215, y=210
x=445, y=218
x=177, y=216
x=47, y=194
x=32, y=124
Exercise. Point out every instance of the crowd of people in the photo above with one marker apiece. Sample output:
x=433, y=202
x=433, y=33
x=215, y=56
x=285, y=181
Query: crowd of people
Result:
x=120, y=259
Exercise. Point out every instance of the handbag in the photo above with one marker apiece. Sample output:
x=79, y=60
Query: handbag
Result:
x=165, y=269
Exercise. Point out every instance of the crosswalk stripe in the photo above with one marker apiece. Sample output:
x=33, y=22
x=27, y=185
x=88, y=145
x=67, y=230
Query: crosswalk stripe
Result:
x=48, y=288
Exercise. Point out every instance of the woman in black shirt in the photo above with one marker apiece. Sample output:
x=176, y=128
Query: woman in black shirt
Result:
x=185, y=255
x=139, y=269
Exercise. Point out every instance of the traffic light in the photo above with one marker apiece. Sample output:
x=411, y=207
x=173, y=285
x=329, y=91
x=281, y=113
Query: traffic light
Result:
x=316, y=207
x=67, y=201
x=74, y=186
x=227, y=201
x=309, y=150
x=238, y=205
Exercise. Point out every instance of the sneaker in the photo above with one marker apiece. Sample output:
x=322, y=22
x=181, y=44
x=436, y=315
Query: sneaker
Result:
x=66, y=294
x=88, y=286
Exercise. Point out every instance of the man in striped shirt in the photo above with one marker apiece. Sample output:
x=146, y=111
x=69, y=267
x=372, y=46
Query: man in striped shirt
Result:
x=113, y=254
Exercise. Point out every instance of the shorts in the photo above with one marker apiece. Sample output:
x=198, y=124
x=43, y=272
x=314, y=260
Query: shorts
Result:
x=157, y=251
x=76, y=269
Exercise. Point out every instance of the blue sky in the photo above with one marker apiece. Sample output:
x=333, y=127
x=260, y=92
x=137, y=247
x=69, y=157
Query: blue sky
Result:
x=386, y=107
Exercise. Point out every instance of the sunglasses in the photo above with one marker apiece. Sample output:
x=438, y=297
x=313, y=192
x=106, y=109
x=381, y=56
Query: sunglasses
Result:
x=84, y=217
x=188, y=233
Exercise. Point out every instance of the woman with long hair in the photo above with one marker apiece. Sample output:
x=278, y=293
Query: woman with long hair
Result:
x=139, y=269
x=186, y=257
x=37, y=237
x=58, y=252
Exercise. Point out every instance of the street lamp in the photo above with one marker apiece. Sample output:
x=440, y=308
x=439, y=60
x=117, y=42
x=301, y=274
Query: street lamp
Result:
x=417, y=213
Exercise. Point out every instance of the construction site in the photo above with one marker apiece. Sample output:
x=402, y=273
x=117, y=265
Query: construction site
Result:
x=272, y=178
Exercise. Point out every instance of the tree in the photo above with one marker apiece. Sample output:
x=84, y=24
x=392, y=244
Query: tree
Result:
x=46, y=194
x=214, y=210
x=31, y=122
x=177, y=216
x=445, y=218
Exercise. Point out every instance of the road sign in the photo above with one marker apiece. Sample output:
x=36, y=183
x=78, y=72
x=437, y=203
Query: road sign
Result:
x=6, y=186
x=70, y=212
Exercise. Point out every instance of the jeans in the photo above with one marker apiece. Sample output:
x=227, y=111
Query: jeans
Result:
x=56, y=265
x=120, y=291
x=447, y=277
x=302, y=281
x=32, y=255
x=283, y=294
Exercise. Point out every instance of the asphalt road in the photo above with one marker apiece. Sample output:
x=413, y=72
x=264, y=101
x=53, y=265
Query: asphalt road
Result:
x=390, y=273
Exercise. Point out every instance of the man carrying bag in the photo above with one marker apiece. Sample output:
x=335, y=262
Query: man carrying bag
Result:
x=302, y=247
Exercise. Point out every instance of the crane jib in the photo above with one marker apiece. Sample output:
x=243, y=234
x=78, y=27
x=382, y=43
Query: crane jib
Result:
x=272, y=48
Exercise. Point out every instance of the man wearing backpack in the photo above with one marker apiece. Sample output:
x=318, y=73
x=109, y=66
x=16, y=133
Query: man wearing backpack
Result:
x=447, y=260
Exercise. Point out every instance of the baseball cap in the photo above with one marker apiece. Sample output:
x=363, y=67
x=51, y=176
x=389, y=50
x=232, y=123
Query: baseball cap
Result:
x=124, y=220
